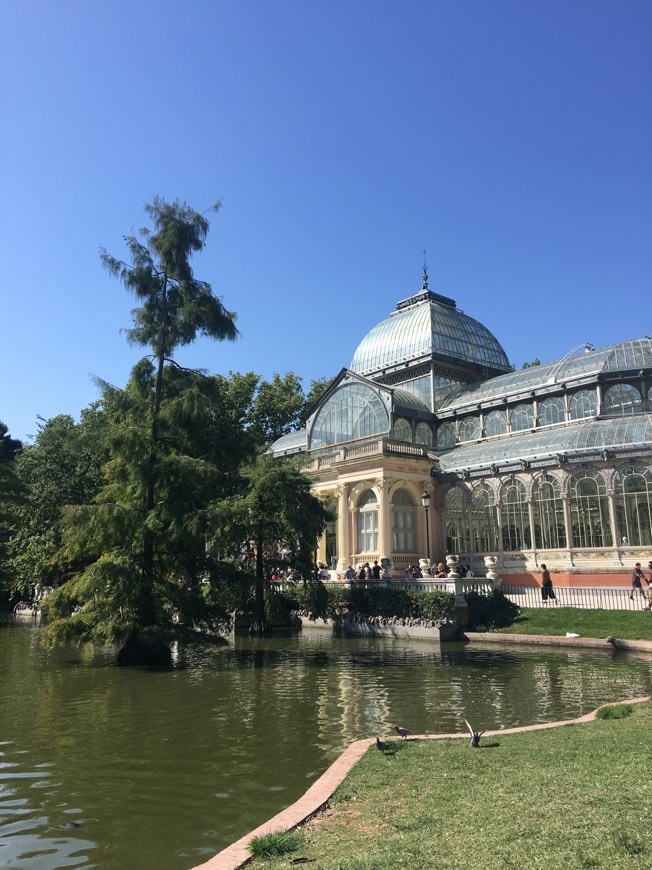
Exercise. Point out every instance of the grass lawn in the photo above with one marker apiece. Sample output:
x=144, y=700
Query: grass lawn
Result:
x=587, y=623
x=572, y=797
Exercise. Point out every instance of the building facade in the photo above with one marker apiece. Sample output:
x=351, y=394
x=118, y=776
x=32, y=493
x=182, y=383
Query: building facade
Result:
x=549, y=464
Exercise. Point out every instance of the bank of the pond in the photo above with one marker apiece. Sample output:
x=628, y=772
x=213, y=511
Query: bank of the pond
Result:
x=431, y=837
x=319, y=795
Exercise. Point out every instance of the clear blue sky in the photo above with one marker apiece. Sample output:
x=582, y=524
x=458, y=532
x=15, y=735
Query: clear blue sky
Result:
x=509, y=138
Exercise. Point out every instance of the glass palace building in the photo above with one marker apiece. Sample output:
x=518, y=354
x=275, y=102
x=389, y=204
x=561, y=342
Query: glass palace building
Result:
x=549, y=464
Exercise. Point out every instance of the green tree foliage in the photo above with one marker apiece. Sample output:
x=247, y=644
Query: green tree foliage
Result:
x=62, y=467
x=9, y=446
x=265, y=409
x=529, y=365
x=276, y=512
x=144, y=535
x=11, y=494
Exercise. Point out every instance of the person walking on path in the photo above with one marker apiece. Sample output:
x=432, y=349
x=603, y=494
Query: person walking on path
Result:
x=547, y=592
x=637, y=581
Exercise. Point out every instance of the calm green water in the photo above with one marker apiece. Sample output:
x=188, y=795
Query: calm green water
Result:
x=122, y=768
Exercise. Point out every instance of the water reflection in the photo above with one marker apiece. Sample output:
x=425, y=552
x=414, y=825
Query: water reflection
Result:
x=103, y=767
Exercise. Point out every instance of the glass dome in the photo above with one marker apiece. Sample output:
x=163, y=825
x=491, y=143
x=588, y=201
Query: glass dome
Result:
x=429, y=325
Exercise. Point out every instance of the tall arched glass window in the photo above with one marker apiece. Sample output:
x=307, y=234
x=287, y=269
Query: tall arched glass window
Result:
x=551, y=411
x=589, y=510
x=495, y=423
x=548, y=508
x=403, y=522
x=484, y=527
x=522, y=417
x=353, y=411
x=455, y=522
x=424, y=434
x=633, y=491
x=367, y=515
x=582, y=404
x=622, y=399
x=446, y=436
x=469, y=428
x=443, y=386
x=402, y=430
x=514, y=517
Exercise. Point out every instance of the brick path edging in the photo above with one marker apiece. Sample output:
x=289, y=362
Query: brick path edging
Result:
x=320, y=792
x=556, y=640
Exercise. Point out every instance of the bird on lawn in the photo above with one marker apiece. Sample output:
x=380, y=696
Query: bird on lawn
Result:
x=380, y=746
x=402, y=732
x=475, y=735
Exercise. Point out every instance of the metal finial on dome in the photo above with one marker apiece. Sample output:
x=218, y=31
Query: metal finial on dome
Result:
x=424, y=286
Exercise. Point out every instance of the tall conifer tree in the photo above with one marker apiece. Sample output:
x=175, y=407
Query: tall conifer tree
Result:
x=146, y=529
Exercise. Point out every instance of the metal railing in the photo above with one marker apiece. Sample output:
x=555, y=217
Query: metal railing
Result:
x=589, y=598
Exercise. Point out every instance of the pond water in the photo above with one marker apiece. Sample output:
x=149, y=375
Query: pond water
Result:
x=125, y=768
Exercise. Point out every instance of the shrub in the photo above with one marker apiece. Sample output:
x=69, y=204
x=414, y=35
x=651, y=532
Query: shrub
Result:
x=276, y=608
x=276, y=844
x=321, y=600
x=491, y=611
x=615, y=711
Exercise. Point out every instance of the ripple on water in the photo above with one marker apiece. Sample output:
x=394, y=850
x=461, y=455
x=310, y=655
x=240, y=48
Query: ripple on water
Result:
x=164, y=769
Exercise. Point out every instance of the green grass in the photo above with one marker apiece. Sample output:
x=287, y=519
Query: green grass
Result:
x=576, y=797
x=587, y=623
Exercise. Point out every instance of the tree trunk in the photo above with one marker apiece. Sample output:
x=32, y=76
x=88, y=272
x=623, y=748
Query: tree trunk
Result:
x=259, y=626
x=138, y=651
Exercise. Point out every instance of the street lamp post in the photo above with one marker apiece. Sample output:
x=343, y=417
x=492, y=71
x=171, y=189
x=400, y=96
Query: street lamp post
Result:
x=425, y=501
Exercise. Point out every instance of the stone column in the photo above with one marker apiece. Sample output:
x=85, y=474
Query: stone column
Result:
x=530, y=519
x=461, y=607
x=343, y=527
x=385, y=545
x=568, y=525
x=616, y=543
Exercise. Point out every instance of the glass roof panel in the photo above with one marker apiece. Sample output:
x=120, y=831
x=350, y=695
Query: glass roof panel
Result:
x=619, y=357
x=406, y=399
x=586, y=435
x=290, y=443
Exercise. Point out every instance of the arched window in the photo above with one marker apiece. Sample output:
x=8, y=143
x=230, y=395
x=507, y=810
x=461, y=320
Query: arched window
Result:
x=484, y=528
x=446, y=436
x=353, y=411
x=367, y=522
x=443, y=386
x=582, y=404
x=622, y=399
x=470, y=429
x=514, y=517
x=402, y=430
x=633, y=492
x=455, y=522
x=424, y=434
x=522, y=417
x=551, y=411
x=549, y=526
x=403, y=522
x=589, y=510
x=495, y=423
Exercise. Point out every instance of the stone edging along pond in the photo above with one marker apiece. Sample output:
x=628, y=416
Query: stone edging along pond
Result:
x=318, y=795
